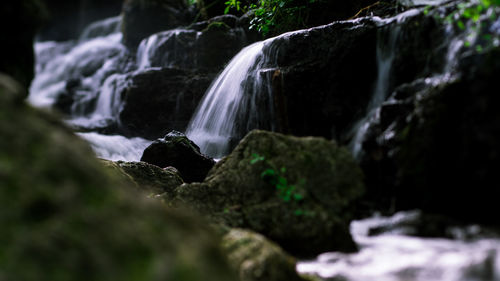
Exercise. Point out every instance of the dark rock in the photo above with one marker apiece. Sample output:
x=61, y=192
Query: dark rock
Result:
x=332, y=59
x=159, y=100
x=207, y=50
x=149, y=178
x=437, y=140
x=19, y=21
x=310, y=215
x=178, y=151
x=68, y=19
x=65, y=216
x=257, y=259
x=144, y=18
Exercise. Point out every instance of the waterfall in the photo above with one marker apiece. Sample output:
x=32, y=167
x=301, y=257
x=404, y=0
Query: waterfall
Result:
x=386, y=52
x=233, y=102
x=92, y=72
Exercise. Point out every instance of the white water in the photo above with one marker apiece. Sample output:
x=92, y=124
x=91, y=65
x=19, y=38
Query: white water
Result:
x=392, y=256
x=93, y=61
x=50, y=80
x=116, y=147
x=386, y=52
x=229, y=96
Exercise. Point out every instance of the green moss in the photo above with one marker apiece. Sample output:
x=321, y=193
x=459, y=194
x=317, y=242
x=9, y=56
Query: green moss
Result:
x=217, y=26
x=65, y=217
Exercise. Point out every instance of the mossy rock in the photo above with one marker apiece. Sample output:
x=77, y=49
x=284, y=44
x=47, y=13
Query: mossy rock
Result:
x=257, y=259
x=315, y=218
x=65, y=217
x=148, y=178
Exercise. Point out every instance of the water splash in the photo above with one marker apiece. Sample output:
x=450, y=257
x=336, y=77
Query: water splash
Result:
x=237, y=92
x=101, y=28
x=116, y=147
x=392, y=256
x=386, y=52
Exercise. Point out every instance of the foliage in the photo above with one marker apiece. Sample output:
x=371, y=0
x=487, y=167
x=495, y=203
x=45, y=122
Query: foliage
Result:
x=276, y=177
x=271, y=17
x=471, y=13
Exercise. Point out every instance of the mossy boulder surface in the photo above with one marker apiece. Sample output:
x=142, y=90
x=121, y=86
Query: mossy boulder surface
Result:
x=257, y=259
x=148, y=178
x=322, y=180
x=65, y=217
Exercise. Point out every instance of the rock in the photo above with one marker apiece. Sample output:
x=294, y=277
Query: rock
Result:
x=318, y=182
x=159, y=100
x=66, y=217
x=176, y=150
x=149, y=178
x=68, y=19
x=19, y=21
x=332, y=59
x=142, y=18
x=256, y=258
x=438, y=134
x=205, y=50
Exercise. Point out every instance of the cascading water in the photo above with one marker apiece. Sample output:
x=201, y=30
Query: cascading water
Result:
x=386, y=51
x=232, y=95
x=94, y=66
x=394, y=256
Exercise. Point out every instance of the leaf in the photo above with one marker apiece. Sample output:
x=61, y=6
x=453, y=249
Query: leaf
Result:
x=227, y=10
x=298, y=212
x=268, y=173
x=298, y=197
x=461, y=25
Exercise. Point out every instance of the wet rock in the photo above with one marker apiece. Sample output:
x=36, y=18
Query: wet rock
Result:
x=206, y=50
x=332, y=59
x=437, y=134
x=144, y=18
x=295, y=191
x=157, y=101
x=256, y=258
x=176, y=150
x=65, y=216
x=149, y=178
x=19, y=21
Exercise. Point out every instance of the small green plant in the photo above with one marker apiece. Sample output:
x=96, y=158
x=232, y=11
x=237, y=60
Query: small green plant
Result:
x=271, y=17
x=473, y=12
x=276, y=177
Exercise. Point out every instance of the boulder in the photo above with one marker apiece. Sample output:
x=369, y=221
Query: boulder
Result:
x=142, y=18
x=176, y=150
x=333, y=59
x=148, y=178
x=437, y=135
x=19, y=22
x=157, y=101
x=257, y=259
x=296, y=191
x=65, y=217
x=204, y=47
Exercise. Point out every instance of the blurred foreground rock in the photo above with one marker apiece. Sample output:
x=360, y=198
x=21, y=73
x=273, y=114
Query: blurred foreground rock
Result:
x=65, y=217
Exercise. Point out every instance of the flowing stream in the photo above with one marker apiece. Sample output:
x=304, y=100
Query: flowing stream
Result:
x=395, y=256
